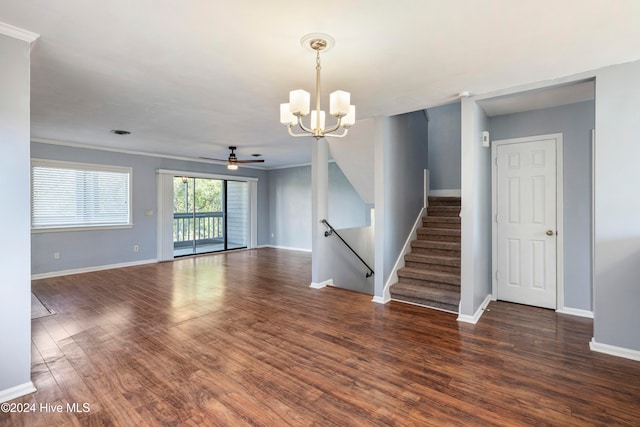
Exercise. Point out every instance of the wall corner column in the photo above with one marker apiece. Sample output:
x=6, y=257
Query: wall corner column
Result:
x=15, y=167
x=320, y=276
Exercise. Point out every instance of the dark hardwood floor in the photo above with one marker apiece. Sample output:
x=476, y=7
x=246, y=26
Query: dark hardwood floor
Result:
x=240, y=339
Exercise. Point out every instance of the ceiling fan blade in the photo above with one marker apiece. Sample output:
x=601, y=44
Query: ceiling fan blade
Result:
x=249, y=161
x=232, y=159
x=217, y=160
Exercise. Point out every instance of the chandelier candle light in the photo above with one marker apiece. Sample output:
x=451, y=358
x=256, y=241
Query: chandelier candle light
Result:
x=291, y=114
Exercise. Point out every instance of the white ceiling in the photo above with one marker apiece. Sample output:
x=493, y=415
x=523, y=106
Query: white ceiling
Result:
x=188, y=78
x=540, y=98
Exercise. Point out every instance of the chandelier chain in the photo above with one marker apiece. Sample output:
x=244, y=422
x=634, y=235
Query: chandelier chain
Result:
x=317, y=123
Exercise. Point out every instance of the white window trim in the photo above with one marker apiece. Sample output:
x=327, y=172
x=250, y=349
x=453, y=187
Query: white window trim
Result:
x=91, y=167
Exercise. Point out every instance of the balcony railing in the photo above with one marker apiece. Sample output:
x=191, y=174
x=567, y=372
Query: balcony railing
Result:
x=209, y=228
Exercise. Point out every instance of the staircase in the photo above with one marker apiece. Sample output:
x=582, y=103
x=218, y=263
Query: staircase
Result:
x=431, y=276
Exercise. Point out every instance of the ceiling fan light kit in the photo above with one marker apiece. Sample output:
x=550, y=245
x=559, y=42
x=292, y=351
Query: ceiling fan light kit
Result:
x=340, y=107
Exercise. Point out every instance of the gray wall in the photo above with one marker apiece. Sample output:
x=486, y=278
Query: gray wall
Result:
x=346, y=207
x=15, y=291
x=476, y=210
x=351, y=217
x=575, y=122
x=617, y=207
x=92, y=248
x=346, y=270
x=401, y=196
x=290, y=205
x=444, y=147
x=355, y=155
x=616, y=174
x=284, y=209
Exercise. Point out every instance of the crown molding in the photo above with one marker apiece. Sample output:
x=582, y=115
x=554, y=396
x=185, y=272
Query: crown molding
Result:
x=133, y=152
x=149, y=154
x=18, y=33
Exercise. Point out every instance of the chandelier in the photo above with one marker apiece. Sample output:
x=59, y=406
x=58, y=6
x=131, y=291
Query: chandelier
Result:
x=291, y=114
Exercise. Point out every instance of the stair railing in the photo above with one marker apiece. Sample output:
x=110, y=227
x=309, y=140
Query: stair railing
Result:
x=333, y=231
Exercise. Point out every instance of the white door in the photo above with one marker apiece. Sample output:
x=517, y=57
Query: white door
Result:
x=526, y=222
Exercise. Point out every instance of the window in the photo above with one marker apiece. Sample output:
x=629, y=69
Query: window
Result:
x=76, y=195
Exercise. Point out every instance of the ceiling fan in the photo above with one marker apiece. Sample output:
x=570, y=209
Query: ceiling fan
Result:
x=233, y=161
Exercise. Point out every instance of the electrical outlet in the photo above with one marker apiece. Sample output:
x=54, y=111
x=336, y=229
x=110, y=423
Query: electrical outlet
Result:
x=136, y=248
x=56, y=255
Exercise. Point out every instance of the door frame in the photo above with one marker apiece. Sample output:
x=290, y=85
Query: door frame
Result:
x=559, y=212
x=164, y=187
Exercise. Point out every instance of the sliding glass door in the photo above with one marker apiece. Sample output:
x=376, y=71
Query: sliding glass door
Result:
x=237, y=209
x=209, y=215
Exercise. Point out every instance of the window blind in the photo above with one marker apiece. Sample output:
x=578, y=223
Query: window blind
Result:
x=65, y=194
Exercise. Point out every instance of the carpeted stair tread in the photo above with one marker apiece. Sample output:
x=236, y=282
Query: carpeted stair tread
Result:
x=429, y=284
x=445, y=299
x=439, y=234
x=429, y=247
x=444, y=201
x=432, y=244
x=429, y=262
x=429, y=275
x=441, y=222
x=408, y=289
x=449, y=211
x=442, y=231
x=433, y=259
x=442, y=219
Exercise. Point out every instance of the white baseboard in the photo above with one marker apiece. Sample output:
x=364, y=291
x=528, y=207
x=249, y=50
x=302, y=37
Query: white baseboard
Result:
x=476, y=316
x=576, y=312
x=91, y=269
x=289, y=248
x=321, y=284
x=613, y=350
x=380, y=300
x=445, y=193
x=17, y=391
x=393, y=277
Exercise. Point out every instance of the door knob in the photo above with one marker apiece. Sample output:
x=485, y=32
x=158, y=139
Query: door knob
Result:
x=549, y=232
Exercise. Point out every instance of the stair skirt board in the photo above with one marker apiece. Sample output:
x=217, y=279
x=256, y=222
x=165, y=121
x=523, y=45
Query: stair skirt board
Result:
x=393, y=277
x=424, y=306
